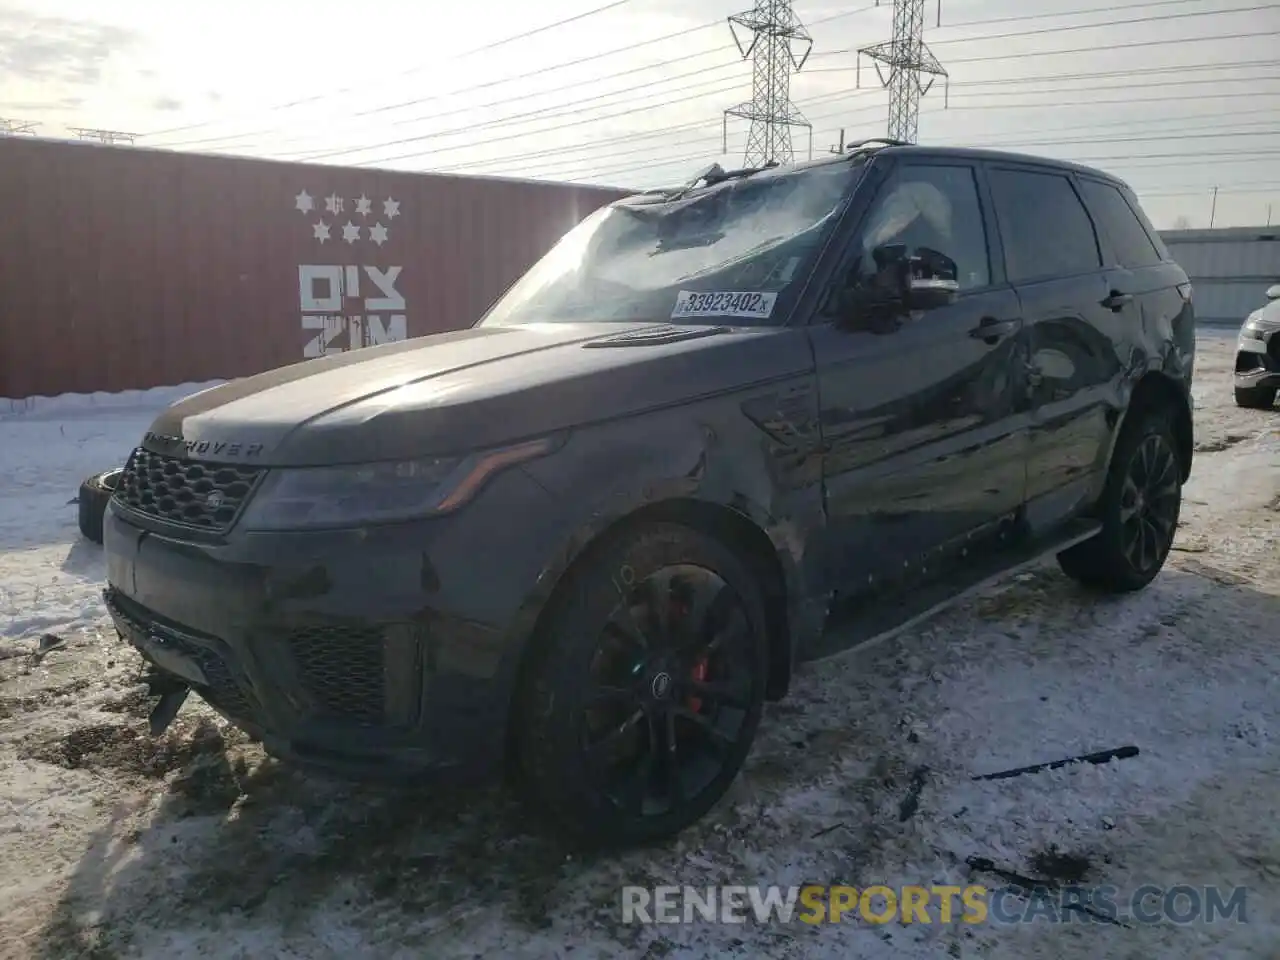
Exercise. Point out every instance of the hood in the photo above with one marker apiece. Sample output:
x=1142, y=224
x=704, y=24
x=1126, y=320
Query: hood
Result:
x=459, y=391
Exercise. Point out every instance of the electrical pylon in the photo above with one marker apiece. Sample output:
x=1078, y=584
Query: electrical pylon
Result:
x=104, y=136
x=13, y=128
x=907, y=57
x=776, y=36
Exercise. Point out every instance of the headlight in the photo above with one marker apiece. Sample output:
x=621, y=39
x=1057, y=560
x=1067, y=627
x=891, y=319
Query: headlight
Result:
x=1252, y=328
x=308, y=497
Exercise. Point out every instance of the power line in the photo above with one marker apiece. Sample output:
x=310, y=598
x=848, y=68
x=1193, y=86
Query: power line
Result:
x=669, y=102
x=552, y=167
x=404, y=141
x=546, y=70
x=592, y=164
x=609, y=53
x=612, y=5
x=630, y=138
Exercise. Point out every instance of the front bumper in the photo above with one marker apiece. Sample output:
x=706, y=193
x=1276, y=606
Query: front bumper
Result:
x=373, y=653
x=1258, y=360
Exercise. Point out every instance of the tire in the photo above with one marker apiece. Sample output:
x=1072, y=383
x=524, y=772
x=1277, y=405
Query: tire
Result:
x=1256, y=398
x=712, y=695
x=95, y=491
x=1146, y=448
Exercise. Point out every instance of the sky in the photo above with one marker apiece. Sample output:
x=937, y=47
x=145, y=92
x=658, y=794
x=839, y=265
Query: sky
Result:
x=633, y=95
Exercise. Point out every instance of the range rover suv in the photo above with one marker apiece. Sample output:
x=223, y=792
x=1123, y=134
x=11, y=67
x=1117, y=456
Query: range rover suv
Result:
x=584, y=539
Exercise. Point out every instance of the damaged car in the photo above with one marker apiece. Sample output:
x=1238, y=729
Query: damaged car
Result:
x=585, y=540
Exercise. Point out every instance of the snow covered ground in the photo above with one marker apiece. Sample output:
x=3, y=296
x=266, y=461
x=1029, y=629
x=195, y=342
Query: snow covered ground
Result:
x=115, y=845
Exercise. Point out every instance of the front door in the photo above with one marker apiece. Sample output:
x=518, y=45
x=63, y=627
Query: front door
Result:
x=922, y=413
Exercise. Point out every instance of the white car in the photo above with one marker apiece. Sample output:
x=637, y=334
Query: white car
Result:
x=1258, y=355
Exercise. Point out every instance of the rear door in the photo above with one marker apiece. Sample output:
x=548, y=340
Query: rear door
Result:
x=1054, y=260
x=925, y=448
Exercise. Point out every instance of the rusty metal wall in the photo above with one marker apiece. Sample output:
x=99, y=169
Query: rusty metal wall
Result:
x=125, y=268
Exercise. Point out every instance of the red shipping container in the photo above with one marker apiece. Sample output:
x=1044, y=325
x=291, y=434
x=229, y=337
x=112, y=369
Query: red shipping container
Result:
x=126, y=268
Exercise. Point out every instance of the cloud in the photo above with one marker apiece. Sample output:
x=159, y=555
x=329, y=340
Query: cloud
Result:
x=166, y=103
x=51, y=49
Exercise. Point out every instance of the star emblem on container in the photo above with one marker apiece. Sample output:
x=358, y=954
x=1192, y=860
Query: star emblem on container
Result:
x=320, y=231
x=350, y=232
x=303, y=202
x=333, y=203
x=363, y=205
x=391, y=208
x=378, y=233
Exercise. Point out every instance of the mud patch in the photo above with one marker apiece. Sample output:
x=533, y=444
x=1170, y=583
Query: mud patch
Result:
x=12, y=706
x=126, y=749
x=136, y=703
x=1059, y=867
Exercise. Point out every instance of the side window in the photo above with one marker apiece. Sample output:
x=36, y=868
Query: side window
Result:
x=1132, y=245
x=1044, y=226
x=930, y=212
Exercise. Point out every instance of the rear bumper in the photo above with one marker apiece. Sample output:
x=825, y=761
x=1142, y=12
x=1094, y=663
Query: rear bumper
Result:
x=376, y=654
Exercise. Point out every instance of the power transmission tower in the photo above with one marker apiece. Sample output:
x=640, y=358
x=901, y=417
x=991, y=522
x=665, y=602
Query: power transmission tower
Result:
x=776, y=36
x=907, y=58
x=13, y=128
x=104, y=136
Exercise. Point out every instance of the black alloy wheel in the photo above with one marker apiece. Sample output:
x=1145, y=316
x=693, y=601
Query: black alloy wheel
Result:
x=1139, y=509
x=1149, y=504
x=648, y=687
x=671, y=687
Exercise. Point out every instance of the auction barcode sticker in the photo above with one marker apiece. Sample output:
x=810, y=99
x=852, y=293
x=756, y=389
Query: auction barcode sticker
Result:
x=689, y=303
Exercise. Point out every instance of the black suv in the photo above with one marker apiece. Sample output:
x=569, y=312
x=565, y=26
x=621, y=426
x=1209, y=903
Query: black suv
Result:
x=1258, y=355
x=591, y=534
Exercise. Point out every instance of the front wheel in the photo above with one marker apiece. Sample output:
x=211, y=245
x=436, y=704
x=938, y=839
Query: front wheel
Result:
x=647, y=687
x=1139, y=510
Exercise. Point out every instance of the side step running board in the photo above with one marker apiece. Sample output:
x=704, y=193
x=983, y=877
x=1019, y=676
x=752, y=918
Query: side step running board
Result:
x=878, y=619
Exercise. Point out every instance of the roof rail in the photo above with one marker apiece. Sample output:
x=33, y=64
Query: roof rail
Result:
x=880, y=141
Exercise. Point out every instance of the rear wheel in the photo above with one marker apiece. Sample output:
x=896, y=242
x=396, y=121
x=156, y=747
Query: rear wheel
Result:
x=1139, y=510
x=1256, y=398
x=647, y=689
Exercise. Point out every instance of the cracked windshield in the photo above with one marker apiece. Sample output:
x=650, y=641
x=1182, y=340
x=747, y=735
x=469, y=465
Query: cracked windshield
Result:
x=732, y=253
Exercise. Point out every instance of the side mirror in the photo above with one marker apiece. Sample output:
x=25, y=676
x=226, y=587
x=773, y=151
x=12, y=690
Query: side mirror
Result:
x=1273, y=292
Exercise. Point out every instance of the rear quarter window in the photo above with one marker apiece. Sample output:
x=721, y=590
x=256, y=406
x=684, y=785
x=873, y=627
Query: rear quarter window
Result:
x=1132, y=244
x=1044, y=226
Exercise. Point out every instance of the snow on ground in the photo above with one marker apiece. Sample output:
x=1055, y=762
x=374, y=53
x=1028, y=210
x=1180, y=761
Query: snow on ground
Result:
x=196, y=845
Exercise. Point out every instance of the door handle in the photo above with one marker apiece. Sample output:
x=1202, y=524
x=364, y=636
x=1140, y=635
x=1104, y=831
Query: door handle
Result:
x=991, y=330
x=1116, y=300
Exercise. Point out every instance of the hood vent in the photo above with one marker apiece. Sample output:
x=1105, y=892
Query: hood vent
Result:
x=653, y=336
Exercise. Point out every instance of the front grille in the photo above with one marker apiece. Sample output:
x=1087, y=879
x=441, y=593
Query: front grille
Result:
x=343, y=670
x=223, y=690
x=207, y=496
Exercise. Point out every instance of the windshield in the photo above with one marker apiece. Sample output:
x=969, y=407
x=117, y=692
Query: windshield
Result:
x=736, y=253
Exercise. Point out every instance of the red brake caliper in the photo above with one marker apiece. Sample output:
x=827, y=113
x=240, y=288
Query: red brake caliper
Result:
x=678, y=611
x=699, y=676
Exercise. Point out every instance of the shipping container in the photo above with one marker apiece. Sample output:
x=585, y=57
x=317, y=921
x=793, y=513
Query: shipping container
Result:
x=1230, y=269
x=127, y=268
